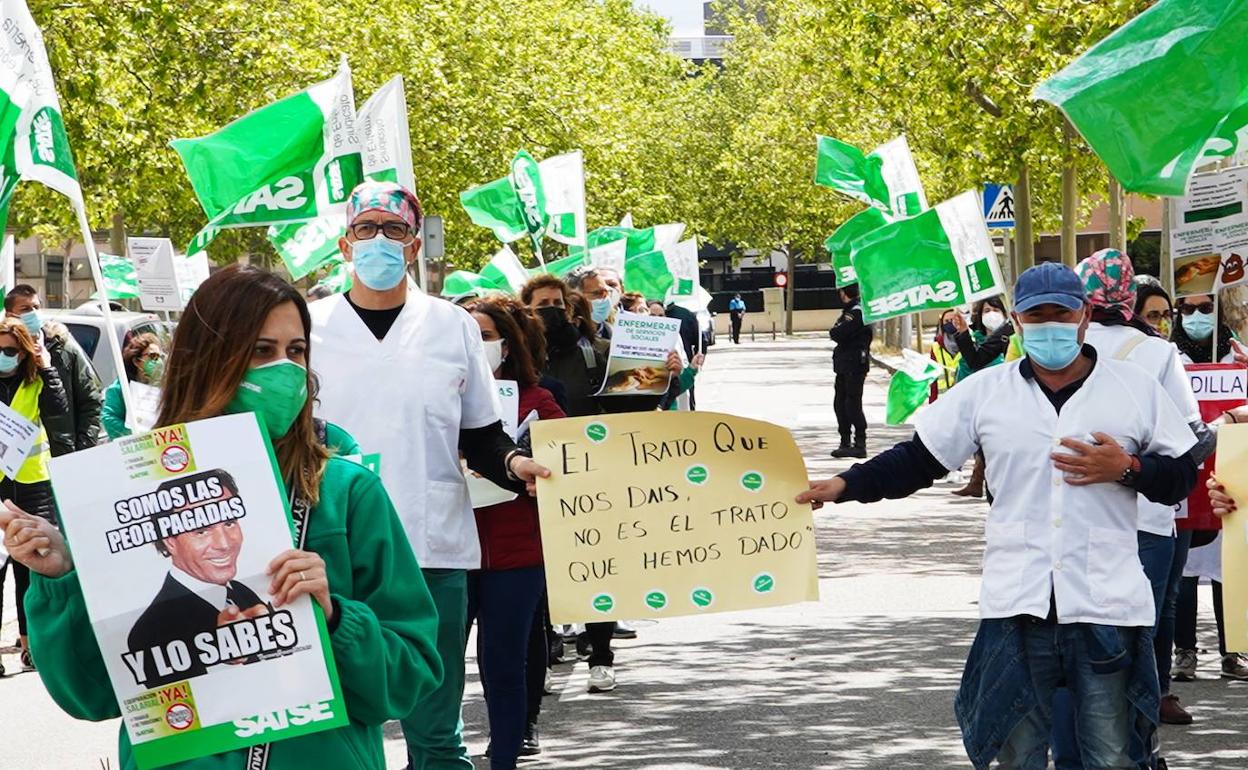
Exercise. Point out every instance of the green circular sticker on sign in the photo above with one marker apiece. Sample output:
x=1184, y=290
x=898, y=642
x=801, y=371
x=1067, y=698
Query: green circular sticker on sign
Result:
x=604, y=603
x=764, y=583
x=753, y=481
x=597, y=432
x=702, y=597
x=697, y=475
x=656, y=600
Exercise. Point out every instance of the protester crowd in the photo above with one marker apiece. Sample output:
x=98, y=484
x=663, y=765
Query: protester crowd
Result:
x=1088, y=597
x=403, y=568
x=1088, y=600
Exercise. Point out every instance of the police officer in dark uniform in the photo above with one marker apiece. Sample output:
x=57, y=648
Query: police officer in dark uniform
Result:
x=850, y=361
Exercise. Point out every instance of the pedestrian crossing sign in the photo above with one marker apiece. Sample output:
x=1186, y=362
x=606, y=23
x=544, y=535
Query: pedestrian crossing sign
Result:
x=999, y=206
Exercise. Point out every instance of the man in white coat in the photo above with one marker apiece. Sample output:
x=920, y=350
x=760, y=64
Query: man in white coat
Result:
x=406, y=375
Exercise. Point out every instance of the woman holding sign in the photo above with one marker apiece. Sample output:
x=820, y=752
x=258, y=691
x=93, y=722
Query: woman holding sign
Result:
x=503, y=596
x=30, y=386
x=243, y=346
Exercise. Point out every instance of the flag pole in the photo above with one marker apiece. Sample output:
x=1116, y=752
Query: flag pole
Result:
x=110, y=333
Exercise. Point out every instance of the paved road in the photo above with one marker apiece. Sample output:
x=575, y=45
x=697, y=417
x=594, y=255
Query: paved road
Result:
x=862, y=680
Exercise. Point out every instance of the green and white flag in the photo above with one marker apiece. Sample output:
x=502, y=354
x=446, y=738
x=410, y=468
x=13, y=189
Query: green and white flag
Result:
x=610, y=255
x=545, y=199
x=502, y=274
x=291, y=161
x=8, y=264
x=32, y=131
x=387, y=157
x=560, y=267
x=338, y=277
x=840, y=244
x=638, y=241
x=682, y=263
x=120, y=279
x=940, y=258
x=886, y=179
x=910, y=387
x=1164, y=94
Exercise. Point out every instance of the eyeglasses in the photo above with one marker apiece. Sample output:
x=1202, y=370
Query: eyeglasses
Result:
x=152, y=356
x=1156, y=316
x=10, y=351
x=366, y=231
x=1204, y=307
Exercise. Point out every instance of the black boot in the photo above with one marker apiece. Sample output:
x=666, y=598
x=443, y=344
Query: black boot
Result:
x=860, y=448
x=530, y=746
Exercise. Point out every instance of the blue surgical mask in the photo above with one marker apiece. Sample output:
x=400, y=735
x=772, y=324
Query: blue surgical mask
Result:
x=8, y=363
x=1199, y=326
x=379, y=263
x=1052, y=346
x=33, y=323
x=600, y=309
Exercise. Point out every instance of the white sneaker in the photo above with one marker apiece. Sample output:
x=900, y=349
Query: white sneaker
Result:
x=549, y=686
x=601, y=679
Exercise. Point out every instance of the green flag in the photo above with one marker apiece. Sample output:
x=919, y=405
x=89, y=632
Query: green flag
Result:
x=337, y=277
x=560, y=267
x=502, y=274
x=32, y=131
x=387, y=157
x=545, y=199
x=120, y=278
x=1164, y=94
x=940, y=258
x=291, y=161
x=886, y=179
x=909, y=387
x=840, y=243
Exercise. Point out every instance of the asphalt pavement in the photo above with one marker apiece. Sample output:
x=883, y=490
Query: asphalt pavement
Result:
x=862, y=680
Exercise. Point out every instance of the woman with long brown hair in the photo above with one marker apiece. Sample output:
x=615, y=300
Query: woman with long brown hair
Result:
x=30, y=386
x=505, y=594
x=242, y=346
x=144, y=360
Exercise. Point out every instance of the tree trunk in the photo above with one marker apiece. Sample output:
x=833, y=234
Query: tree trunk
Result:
x=1025, y=254
x=790, y=292
x=1070, y=200
x=1117, y=216
x=117, y=236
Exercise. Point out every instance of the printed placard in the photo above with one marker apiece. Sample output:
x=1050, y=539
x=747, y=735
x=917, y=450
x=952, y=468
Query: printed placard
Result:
x=17, y=439
x=481, y=491
x=660, y=514
x=1209, y=233
x=172, y=532
x=638, y=361
x=1218, y=387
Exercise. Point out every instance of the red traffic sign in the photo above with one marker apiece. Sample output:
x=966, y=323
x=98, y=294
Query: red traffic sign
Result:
x=782, y=279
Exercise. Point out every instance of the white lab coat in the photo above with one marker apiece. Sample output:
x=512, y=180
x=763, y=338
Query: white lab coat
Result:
x=1160, y=359
x=407, y=396
x=1047, y=538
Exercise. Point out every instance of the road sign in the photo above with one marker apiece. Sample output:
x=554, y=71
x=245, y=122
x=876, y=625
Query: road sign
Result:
x=999, y=206
x=782, y=279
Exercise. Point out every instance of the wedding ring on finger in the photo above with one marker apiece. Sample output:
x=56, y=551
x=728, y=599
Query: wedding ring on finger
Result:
x=302, y=577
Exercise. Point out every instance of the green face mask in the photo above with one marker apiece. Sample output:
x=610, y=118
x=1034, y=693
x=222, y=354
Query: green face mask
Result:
x=276, y=392
x=152, y=369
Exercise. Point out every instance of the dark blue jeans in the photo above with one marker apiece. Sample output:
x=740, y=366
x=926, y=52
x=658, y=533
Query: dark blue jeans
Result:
x=504, y=602
x=1157, y=555
x=1163, y=643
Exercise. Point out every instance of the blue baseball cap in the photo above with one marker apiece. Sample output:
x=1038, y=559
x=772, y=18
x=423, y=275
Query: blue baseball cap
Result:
x=1049, y=283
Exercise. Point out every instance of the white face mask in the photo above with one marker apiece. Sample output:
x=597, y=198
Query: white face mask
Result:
x=993, y=321
x=494, y=353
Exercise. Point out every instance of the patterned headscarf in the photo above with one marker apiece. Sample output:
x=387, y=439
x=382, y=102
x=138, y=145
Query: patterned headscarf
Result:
x=1109, y=281
x=385, y=196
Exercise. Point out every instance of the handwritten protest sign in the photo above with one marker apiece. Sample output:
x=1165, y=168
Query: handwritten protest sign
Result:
x=1218, y=387
x=662, y=514
x=1233, y=474
x=171, y=533
x=638, y=362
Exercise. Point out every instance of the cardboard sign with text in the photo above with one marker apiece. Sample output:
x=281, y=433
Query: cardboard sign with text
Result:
x=1218, y=387
x=661, y=514
x=1233, y=474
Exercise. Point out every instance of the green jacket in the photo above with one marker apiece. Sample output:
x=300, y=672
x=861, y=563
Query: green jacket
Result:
x=384, y=643
x=114, y=414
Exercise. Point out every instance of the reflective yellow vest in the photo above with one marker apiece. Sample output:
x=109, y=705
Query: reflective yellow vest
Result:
x=26, y=403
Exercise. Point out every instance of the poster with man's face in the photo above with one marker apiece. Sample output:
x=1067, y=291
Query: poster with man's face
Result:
x=172, y=532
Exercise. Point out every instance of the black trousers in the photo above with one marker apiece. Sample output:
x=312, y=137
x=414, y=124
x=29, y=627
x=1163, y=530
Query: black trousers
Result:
x=847, y=402
x=600, y=635
x=21, y=576
x=737, y=318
